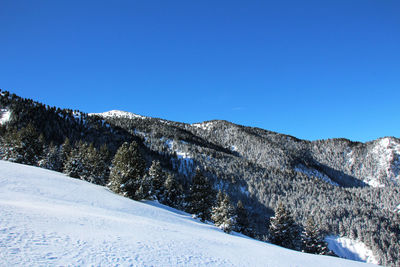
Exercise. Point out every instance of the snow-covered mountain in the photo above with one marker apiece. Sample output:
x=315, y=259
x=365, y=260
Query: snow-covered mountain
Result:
x=350, y=189
x=49, y=219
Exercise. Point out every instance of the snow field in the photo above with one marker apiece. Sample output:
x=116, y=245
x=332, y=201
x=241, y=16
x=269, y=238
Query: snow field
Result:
x=50, y=219
x=351, y=249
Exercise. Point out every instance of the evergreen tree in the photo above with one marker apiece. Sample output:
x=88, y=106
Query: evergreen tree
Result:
x=242, y=220
x=312, y=241
x=65, y=150
x=74, y=165
x=23, y=146
x=283, y=231
x=51, y=158
x=128, y=168
x=201, y=196
x=157, y=179
x=100, y=164
x=31, y=144
x=223, y=214
x=173, y=193
x=10, y=145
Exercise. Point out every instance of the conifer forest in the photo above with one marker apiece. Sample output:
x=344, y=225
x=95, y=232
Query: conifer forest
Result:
x=266, y=185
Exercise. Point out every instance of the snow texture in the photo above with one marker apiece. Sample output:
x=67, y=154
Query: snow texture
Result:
x=5, y=116
x=118, y=114
x=314, y=173
x=184, y=159
x=48, y=219
x=350, y=249
x=386, y=152
x=204, y=125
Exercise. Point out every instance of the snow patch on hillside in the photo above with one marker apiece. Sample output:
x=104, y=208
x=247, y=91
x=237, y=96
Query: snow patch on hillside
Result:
x=5, y=116
x=386, y=153
x=204, y=125
x=185, y=160
x=48, y=219
x=314, y=173
x=118, y=114
x=373, y=182
x=350, y=249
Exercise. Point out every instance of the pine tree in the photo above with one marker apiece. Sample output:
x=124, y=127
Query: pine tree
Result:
x=65, y=150
x=10, y=145
x=100, y=165
x=51, y=158
x=31, y=145
x=283, y=231
x=157, y=179
x=312, y=241
x=128, y=169
x=242, y=220
x=24, y=146
x=223, y=214
x=173, y=193
x=201, y=196
x=74, y=165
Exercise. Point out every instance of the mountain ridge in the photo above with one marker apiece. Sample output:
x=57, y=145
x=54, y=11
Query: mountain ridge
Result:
x=329, y=180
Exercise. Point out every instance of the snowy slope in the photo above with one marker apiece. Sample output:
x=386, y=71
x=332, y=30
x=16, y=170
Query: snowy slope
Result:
x=351, y=249
x=386, y=152
x=50, y=219
x=5, y=115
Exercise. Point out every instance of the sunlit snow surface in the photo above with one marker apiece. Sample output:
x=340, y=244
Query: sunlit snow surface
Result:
x=4, y=116
x=351, y=249
x=118, y=114
x=386, y=152
x=48, y=219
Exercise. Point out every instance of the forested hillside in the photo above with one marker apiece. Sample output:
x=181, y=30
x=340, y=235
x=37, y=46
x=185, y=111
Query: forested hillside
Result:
x=345, y=188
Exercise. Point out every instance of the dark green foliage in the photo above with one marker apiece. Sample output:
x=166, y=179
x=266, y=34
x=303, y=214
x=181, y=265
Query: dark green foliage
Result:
x=157, y=180
x=312, y=240
x=127, y=172
x=74, y=165
x=86, y=162
x=23, y=146
x=223, y=214
x=283, y=230
x=201, y=196
x=242, y=220
x=173, y=193
x=52, y=158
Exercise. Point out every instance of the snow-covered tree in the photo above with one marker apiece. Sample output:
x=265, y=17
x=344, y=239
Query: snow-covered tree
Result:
x=173, y=194
x=312, y=241
x=157, y=178
x=51, y=158
x=223, y=214
x=201, y=196
x=74, y=164
x=283, y=230
x=128, y=169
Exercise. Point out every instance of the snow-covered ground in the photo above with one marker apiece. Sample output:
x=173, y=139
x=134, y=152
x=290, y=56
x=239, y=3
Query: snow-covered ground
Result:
x=48, y=219
x=4, y=116
x=314, y=173
x=350, y=249
x=207, y=125
x=386, y=154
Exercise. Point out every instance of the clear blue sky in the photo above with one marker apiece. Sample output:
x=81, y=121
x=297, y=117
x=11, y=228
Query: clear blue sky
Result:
x=312, y=69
